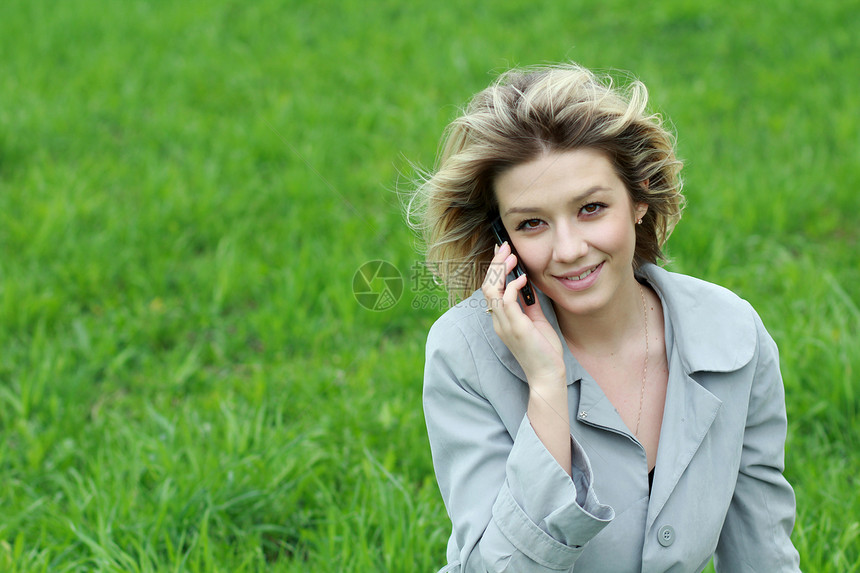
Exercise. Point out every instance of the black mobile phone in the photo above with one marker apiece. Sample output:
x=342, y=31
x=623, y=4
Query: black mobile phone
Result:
x=502, y=236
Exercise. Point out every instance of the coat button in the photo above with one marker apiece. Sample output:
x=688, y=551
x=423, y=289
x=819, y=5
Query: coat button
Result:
x=666, y=535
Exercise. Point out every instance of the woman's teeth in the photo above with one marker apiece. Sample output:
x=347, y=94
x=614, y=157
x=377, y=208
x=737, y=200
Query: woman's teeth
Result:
x=580, y=277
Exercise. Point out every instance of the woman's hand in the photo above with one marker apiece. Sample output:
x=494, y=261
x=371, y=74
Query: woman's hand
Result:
x=536, y=346
x=525, y=330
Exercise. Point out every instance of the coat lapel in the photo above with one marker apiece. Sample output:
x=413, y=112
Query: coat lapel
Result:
x=703, y=337
x=687, y=417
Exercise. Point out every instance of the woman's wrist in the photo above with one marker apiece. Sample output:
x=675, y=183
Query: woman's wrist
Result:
x=547, y=381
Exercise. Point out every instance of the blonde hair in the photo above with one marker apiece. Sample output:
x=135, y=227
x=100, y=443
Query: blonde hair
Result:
x=524, y=114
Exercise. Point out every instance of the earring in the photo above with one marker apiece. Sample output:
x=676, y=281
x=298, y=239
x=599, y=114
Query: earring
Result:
x=639, y=222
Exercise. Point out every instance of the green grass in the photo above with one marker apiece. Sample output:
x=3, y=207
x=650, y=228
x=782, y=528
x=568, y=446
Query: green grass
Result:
x=186, y=190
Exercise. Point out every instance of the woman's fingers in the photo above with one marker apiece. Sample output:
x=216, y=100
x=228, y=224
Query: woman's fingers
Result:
x=512, y=290
x=534, y=312
x=502, y=297
x=511, y=309
x=524, y=329
x=494, y=281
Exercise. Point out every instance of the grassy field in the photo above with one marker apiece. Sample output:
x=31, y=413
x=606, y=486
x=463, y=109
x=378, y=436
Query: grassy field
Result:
x=187, y=382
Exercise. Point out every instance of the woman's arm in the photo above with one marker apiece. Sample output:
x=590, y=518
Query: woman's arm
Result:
x=512, y=506
x=538, y=349
x=548, y=414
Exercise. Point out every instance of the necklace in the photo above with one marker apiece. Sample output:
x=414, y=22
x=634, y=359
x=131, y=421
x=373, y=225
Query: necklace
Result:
x=645, y=368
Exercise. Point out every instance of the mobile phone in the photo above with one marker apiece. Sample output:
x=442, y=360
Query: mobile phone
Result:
x=502, y=236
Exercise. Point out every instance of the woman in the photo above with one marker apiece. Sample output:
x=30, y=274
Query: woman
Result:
x=632, y=419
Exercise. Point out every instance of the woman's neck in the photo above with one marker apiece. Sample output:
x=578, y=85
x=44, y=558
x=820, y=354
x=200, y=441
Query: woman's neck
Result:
x=604, y=332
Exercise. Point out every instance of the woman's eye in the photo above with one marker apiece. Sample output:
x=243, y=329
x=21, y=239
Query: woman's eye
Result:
x=592, y=208
x=529, y=224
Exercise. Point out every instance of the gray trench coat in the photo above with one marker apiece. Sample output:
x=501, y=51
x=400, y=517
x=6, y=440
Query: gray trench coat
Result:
x=718, y=488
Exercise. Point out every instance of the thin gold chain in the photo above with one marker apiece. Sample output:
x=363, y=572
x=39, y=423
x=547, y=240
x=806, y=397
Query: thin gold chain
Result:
x=645, y=368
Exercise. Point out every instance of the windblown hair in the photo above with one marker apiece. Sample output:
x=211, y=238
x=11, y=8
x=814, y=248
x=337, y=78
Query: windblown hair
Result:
x=523, y=115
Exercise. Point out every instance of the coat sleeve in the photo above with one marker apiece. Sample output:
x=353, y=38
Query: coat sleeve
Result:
x=512, y=507
x=756, y=535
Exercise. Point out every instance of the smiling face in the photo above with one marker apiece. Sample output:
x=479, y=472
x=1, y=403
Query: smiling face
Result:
x=572, y=224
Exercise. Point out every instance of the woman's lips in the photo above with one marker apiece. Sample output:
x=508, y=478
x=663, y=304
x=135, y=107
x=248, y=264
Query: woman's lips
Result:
x=581, y=281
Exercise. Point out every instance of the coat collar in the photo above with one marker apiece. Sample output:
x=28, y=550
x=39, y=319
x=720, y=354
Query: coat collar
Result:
x=714, y=329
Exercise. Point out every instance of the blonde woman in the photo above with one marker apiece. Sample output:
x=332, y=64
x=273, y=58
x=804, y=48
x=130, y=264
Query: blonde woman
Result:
x=631, y=419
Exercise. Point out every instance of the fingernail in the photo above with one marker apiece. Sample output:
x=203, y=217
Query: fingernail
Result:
x=496, y=250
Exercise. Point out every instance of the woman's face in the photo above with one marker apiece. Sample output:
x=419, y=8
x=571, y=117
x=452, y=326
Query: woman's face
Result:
x=572, y=224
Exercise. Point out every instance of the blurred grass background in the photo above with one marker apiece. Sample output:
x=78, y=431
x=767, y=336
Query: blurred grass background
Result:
x=186, y=190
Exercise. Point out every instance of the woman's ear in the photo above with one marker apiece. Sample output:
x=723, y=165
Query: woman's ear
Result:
x=639, y=211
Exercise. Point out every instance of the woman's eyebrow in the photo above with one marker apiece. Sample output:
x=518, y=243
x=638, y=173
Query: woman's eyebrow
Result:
x=577, y=199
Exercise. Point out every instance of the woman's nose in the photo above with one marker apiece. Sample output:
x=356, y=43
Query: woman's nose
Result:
x=569, y=245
